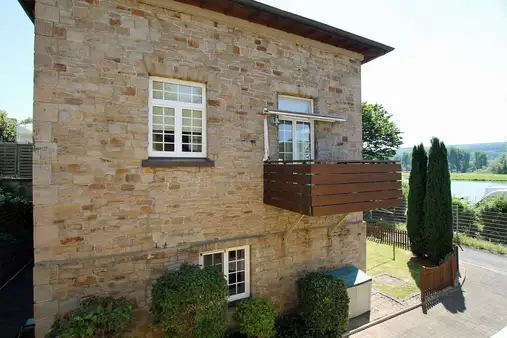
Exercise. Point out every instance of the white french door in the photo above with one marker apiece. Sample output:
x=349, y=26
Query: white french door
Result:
x=295, y=140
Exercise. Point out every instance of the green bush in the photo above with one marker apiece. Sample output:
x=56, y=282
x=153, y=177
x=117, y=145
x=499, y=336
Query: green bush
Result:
x=467, y=218
x=96, y=317
x=21, y=211
x=256, y=317
x=404, y=190
x=493, y=215
x=323, y=303
x=191, y=302
x=292, y=325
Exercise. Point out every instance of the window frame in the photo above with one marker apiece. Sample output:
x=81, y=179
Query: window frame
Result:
x=296, y=98
x=178, y=123
x=225, y=265
x=294, y=121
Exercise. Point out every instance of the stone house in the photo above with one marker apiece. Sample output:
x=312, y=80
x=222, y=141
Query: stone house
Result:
x=153, y=120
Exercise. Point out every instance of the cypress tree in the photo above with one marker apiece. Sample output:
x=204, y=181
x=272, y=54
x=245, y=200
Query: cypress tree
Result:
x=438, y=203
x=416, y=196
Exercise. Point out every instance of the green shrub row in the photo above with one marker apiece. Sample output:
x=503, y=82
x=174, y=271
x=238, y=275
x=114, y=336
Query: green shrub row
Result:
x=7, y=196
x=192, y=302
x=487, y=218
x=256, y=318
x=96, y=317
x=20, y=211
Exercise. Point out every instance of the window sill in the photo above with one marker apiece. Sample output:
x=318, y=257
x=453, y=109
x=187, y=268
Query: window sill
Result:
x=169, y=162
x=234, y=303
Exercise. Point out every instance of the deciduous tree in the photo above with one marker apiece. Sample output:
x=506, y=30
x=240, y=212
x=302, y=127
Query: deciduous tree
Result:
x=499, y=165
x=480, y=160
x=453, y=159
x=26, y=121
x=381, y=136
x=405, y=161
x=465, y=163
x=7, y=128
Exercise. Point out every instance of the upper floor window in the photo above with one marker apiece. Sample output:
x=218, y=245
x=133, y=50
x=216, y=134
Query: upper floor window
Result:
x=177, y=118
x=295, y=104
x=295, y=135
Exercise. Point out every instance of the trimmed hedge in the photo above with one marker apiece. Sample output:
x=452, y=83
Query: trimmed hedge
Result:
x=292, y=325
x=96, y=317
x=493, y=214
x=256, y=317
x=191, y=302
x=323, y=303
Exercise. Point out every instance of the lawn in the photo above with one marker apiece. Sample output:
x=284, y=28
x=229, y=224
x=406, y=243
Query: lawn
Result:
x=478, y=177
x=481, y=244
x=379, y=260
x=472, y=177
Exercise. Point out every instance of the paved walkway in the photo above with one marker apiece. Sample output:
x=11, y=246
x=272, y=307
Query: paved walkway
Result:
x=382, y=305
x=479, y=310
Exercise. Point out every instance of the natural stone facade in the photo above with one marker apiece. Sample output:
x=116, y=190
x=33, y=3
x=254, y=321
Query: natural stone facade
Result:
x=104, y=224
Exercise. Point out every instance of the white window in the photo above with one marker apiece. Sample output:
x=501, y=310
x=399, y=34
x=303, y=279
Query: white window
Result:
x=295, y=104
x=295, y=135
x=235, y=265
x=177, y=118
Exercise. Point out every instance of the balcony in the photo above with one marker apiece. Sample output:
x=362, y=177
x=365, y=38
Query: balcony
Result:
x=317, y=188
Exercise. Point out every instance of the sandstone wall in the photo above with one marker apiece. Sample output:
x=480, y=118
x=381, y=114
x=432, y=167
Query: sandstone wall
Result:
x=98, y=214
x=274, y=267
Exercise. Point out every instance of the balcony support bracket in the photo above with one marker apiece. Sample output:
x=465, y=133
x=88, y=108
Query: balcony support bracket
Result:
x=291, y=229
x=333, y=227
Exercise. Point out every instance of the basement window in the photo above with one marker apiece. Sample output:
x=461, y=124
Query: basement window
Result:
x=234, y=263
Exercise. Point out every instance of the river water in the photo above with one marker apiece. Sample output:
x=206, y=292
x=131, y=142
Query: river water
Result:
x=472, y=190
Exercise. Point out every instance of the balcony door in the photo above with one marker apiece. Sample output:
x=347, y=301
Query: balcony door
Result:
x=295, y=140
x=295, y=135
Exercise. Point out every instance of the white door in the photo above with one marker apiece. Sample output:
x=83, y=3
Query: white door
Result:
x=295, y=140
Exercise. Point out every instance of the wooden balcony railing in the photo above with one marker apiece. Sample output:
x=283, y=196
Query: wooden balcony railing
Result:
x=318, y=188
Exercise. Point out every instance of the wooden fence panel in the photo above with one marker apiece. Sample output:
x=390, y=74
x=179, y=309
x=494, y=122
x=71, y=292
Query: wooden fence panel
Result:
x=435, y=279
x=16, y=160
x=385, y=235
x=8, y=159
x=25, y=160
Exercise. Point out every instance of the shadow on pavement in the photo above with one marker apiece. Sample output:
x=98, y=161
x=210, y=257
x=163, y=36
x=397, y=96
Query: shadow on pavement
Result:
x=455, y=301
x=359, y=321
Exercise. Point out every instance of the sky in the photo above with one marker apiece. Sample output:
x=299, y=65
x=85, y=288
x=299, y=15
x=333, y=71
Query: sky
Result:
x=447, y=76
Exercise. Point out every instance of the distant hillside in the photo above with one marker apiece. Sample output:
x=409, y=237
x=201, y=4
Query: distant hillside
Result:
x=492, y=150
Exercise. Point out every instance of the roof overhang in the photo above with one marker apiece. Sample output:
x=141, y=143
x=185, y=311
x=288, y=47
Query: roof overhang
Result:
x=269, y=16
x=29, y=8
